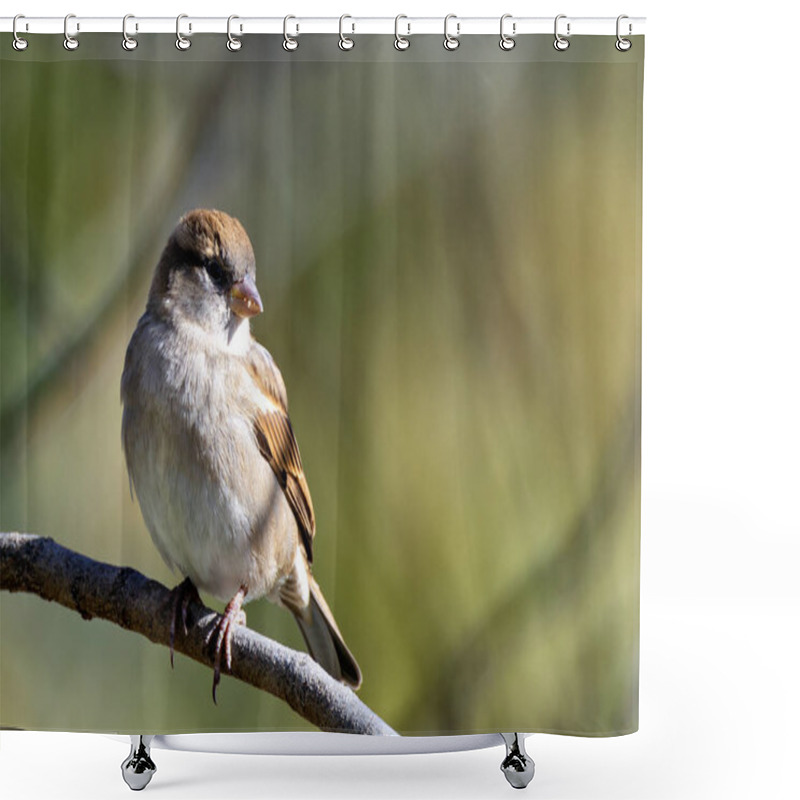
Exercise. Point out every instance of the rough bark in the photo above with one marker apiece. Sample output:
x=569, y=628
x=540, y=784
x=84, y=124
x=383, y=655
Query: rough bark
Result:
x=122, y=595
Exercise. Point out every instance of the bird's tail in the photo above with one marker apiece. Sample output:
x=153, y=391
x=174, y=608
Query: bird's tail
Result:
x=324, y=641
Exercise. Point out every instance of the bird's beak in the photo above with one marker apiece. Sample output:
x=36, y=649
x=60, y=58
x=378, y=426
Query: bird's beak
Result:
x=244, y=299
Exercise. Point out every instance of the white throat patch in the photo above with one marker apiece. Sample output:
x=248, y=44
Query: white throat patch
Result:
x=237, y=335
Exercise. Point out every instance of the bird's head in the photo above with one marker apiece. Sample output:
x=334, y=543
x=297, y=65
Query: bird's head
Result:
x=206, y=274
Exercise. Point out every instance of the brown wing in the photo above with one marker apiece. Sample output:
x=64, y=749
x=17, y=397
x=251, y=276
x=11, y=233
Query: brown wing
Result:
x=276, y=441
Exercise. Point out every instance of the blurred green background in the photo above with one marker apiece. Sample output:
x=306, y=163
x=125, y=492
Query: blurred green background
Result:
x=448, y=253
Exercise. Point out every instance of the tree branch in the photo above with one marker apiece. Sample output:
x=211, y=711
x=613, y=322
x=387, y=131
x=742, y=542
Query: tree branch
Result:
x=126, y=597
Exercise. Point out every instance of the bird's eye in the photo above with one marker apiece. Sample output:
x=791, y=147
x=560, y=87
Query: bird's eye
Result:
x=215, y=271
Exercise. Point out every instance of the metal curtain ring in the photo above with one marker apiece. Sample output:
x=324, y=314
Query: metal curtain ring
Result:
x=233, y=44
x=19, y=43
x=401, y=42
x=345, y=43
x=623, y=45
x=507, y=42
x=70, y=42
x=451, y=42
x=128, y=42
x=181, y=42
x=289, y=42
x=560, y=42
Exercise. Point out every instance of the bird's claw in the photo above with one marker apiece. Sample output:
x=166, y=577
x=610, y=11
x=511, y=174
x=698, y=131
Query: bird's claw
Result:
x=222, y=634
x=182, y=595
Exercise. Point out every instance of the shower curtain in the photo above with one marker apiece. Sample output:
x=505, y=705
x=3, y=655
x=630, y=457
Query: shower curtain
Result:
x=447, y=251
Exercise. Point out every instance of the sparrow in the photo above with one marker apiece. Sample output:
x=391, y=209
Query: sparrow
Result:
x=210, y=450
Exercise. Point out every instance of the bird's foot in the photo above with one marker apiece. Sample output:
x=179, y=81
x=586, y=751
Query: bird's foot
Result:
x=222, y=634
x=182, y=595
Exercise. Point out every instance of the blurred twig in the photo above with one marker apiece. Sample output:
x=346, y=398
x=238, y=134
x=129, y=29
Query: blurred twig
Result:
x=467, y=667
x=129, y=599
x=73, y=348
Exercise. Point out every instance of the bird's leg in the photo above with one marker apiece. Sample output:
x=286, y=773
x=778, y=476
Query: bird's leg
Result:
x=222, y=632
x=182, y=595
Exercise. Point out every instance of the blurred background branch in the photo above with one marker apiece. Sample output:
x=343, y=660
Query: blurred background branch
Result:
x=133, y=272
x=126, y=597
x=467, y=669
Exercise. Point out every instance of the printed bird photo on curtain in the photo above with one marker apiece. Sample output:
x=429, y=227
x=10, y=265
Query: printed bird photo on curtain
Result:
x=344, y=346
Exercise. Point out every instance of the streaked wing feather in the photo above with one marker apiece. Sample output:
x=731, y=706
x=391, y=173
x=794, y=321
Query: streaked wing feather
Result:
x=278, y=445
